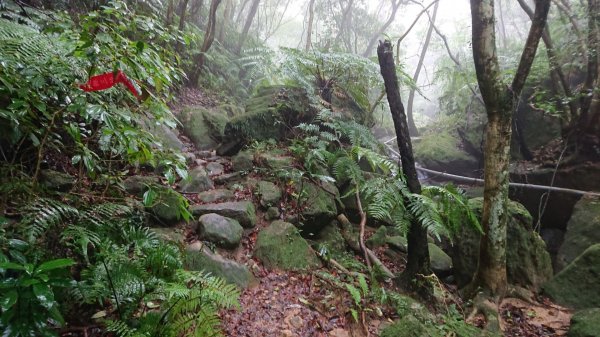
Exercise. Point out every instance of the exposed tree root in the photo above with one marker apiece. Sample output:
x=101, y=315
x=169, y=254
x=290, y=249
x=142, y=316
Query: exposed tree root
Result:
x=352, y=243
x=483, y=304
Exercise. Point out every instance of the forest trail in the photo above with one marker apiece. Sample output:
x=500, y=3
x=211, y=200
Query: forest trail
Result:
x=286, y=304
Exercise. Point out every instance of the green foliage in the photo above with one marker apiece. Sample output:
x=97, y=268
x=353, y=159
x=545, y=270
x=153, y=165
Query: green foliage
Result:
x=27, y=293
x=42, y=111
x=135, y=280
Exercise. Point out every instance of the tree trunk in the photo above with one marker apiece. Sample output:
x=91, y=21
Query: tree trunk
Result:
x=418, y=264
x=209, y=37
x=249, y=19
x=182, y=13
x=195, y=11
x=373, y=41
x=499, y=103
x=226, y=14
x=170, y=13
x=412, y=127
x=311, y=17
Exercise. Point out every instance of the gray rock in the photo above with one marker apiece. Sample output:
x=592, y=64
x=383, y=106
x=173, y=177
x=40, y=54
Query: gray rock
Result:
x=280, y=246
x=398, y=243
x=215, y=169
x=165, y=135
x=441, y=263
x=216, y=195
x=175, y=235
x=243, y=161
x=224, y=232
x=319, y=206
x=57, y=181
x=137, y=185
x=242, y=211
x=203, y=127
x=202, y=259
x=578, y=285
x=198, y=181
x=269, y=193
x=582, y=230
x=228, y=178
x=272, y=213
x=166, y=206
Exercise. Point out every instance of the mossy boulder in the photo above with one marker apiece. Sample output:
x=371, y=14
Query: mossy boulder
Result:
x=585, y=323
x=578, y=285
x=224, y=232
x=268, y=193
x=270, y=114
x=197, y=181
x=175, y=235
x=242, y=211
x=57, y=181
x=167, y=136
x=527, y=261
x=217, y=265
x=138, y=185
x=166, y=206
x=243, y=161
x=441, y=151
x=582, y=230
x=319, y=206
x=407, y=326
x=332, y=240
x=275, y=159
x=203, y=127
x=441, y=263
x=280, y=246
x=216, y=195
x=378, y=238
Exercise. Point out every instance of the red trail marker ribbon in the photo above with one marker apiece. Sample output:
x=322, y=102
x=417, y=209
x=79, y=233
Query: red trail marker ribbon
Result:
x=109, y=80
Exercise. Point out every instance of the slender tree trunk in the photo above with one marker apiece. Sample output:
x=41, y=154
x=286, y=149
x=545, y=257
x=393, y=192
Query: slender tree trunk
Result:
x=375, y=37
x=499, y=102
x=170, y=13
x=412, y=127
x=195, y=11
x=209, y=37
x=311, y=17
x=343, y=24
x=247, y=25
x=418, y=264
x=226, y=15
x=182, y=14
x=502, y=26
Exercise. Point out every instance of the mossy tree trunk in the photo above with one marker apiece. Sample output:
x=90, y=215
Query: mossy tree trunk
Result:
x=499, y=103
x=418, y=264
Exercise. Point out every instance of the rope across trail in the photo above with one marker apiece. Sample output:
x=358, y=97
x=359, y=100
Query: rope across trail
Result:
x=476, y=181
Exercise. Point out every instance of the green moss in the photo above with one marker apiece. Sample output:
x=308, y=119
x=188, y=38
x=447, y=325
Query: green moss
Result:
x=585, y=323
x=280, y=246
x=407, y=326
x=440, y=147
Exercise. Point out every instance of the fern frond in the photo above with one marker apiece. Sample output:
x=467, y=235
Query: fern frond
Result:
x=43, y=214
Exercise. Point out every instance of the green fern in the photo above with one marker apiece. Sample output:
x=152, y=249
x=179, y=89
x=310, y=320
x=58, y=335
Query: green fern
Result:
x=43, y=214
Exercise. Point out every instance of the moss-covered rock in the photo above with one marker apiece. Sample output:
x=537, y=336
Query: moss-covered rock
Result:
x=217, y=265
x=441, y=263
x=203, y=127
x=578, y=285
x=280, y=246
x=319, y=206
x=242, y=211
x=582, y=230
x=57, y=181
x=269, y=193
x=269, y=115
x=175, y=235
x=378, y=238
x=332, y=240
x=138, y=185
x=197, y=181
x=166, y=136
x=216, y=195
x=441, y=151
x=528, y=263
x=243, y=161
x=585, y=323
x=407, y=326
x=166, y=206
x=224, y=232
